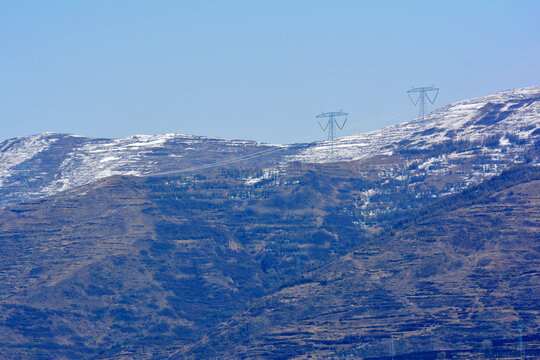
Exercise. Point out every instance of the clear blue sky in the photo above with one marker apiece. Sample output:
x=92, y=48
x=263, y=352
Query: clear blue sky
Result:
x=250, y=69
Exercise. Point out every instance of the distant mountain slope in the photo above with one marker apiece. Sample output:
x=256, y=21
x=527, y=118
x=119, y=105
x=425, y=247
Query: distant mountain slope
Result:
x=467, y=140
x=48, y=163
x=158, y=260
x=510, y=117
x=107, y=264
x=143, y=265
x=462, y=275
x=146, y=266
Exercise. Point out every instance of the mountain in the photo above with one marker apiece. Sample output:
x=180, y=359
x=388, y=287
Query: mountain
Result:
x=465, y=141
x=141, y=247
x=48, y=163
x=156, y=260
x=90, y=270
x=508, y=118
x=458, y=277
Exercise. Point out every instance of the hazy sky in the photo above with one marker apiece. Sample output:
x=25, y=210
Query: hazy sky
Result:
x=250, y=69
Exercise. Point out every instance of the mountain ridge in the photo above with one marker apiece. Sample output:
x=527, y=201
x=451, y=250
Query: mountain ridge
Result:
x=47, y=163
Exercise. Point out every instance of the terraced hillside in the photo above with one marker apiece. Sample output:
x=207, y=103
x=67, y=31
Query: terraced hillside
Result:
x=155, y=260
x=456, y=278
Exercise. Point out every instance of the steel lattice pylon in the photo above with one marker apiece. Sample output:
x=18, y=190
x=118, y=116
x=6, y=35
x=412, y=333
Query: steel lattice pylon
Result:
x=423, y=93
x=392, y=348
x=520, y=347
x=331, y=123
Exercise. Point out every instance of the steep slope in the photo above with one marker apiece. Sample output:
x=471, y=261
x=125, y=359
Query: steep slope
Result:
x=459, y=275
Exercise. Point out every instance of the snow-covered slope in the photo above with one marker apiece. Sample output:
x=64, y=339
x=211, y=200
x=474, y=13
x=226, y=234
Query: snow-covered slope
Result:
x=455, y=147
x=48, y=163
x=513, y=112
x=472, y=138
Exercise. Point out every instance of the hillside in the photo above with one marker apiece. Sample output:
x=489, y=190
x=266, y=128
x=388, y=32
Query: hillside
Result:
x=465, y=141
x=509, y=117
x=444, y=281
x=148, y=266
x=157, y=260
x=151, y=246
x=49, y=163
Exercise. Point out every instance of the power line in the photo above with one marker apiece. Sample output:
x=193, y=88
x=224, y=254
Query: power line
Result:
x=372, y=120
x=378, y=119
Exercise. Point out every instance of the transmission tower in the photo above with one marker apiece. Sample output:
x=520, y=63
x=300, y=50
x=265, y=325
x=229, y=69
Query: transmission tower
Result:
x=520, y=348
x=331, y=123
x=423, y=94
x=24, y=176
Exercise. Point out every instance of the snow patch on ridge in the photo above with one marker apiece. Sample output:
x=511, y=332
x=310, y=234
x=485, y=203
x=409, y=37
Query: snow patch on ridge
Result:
x=15, y=152
x=103, y=158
